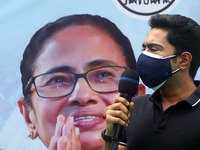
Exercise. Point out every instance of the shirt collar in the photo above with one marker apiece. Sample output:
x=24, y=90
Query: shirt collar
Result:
x=193, y=99
x=156, y=98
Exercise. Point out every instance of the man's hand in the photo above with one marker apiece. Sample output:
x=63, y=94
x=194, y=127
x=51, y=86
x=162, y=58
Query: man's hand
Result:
x=118, y=113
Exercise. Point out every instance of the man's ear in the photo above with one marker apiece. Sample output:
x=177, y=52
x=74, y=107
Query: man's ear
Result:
x=185, y=61
x=141, y=90
x=27, y=111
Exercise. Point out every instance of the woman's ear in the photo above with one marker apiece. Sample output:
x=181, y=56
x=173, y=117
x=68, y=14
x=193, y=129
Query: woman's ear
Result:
x=27, y=112
x=24, y=109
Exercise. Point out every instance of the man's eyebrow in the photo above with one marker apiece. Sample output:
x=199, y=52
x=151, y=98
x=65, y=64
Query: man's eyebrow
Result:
x=150, y=45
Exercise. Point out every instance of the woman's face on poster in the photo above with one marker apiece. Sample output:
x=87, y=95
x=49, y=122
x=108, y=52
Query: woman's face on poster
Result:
x=79, y=48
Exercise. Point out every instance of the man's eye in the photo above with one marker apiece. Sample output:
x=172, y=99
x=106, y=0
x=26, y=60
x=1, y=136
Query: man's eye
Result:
x=153, y=50
x=143, y=48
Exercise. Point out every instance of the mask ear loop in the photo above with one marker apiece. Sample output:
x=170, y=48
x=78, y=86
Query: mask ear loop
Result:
x=175, y=71
x=173, y=56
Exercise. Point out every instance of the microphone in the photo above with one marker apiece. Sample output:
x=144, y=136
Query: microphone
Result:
x=128, y=86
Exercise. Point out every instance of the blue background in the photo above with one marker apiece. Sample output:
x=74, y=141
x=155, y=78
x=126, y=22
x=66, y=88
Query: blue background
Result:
x=20, y=19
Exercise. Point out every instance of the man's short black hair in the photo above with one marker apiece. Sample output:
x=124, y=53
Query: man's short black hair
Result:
x=183, y=34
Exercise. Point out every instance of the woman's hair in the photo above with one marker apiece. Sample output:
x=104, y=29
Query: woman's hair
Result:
x=183, y=34
x=34, y=48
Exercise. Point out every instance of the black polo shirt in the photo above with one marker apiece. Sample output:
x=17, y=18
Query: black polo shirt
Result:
x=177, y=128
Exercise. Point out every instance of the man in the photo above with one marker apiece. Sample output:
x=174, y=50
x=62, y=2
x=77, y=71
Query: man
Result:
x=169, y=118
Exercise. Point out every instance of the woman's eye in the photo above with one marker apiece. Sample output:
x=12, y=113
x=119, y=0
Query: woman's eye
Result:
x=104, y=74
x=58, y=80
x=55, y=80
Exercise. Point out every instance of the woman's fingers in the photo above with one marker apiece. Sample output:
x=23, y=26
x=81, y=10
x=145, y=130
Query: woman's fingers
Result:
x=53, y=143
x=59, y=125
x=77, y=142
x=63, y=143
x=68, y=126
x=67, y=136
x=72, y=133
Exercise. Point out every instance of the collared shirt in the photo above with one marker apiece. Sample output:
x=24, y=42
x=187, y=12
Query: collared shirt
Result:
x=176, y=128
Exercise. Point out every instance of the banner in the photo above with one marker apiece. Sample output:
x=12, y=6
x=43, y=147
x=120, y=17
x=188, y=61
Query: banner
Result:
x=21, y=19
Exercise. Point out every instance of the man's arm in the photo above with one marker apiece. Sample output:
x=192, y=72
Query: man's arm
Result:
x=117, y=113
x=107, y=146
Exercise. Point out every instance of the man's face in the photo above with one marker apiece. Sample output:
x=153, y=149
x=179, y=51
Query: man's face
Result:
x=156, y=42
x=76, y=47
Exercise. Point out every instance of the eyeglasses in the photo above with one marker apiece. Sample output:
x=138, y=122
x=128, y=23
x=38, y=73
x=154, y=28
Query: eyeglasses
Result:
x=59, y=84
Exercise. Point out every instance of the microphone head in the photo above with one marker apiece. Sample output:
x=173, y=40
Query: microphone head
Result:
x=129, y=82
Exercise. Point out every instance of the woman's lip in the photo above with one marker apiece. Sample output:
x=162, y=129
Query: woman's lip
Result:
x=85, y=120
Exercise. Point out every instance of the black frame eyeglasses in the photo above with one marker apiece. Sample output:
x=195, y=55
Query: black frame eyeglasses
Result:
x=103, y=79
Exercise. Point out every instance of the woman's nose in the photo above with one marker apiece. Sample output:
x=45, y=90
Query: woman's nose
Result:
x=83, y=95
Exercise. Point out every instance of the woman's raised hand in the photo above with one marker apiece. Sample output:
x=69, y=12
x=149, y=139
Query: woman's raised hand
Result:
x=67, y=136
